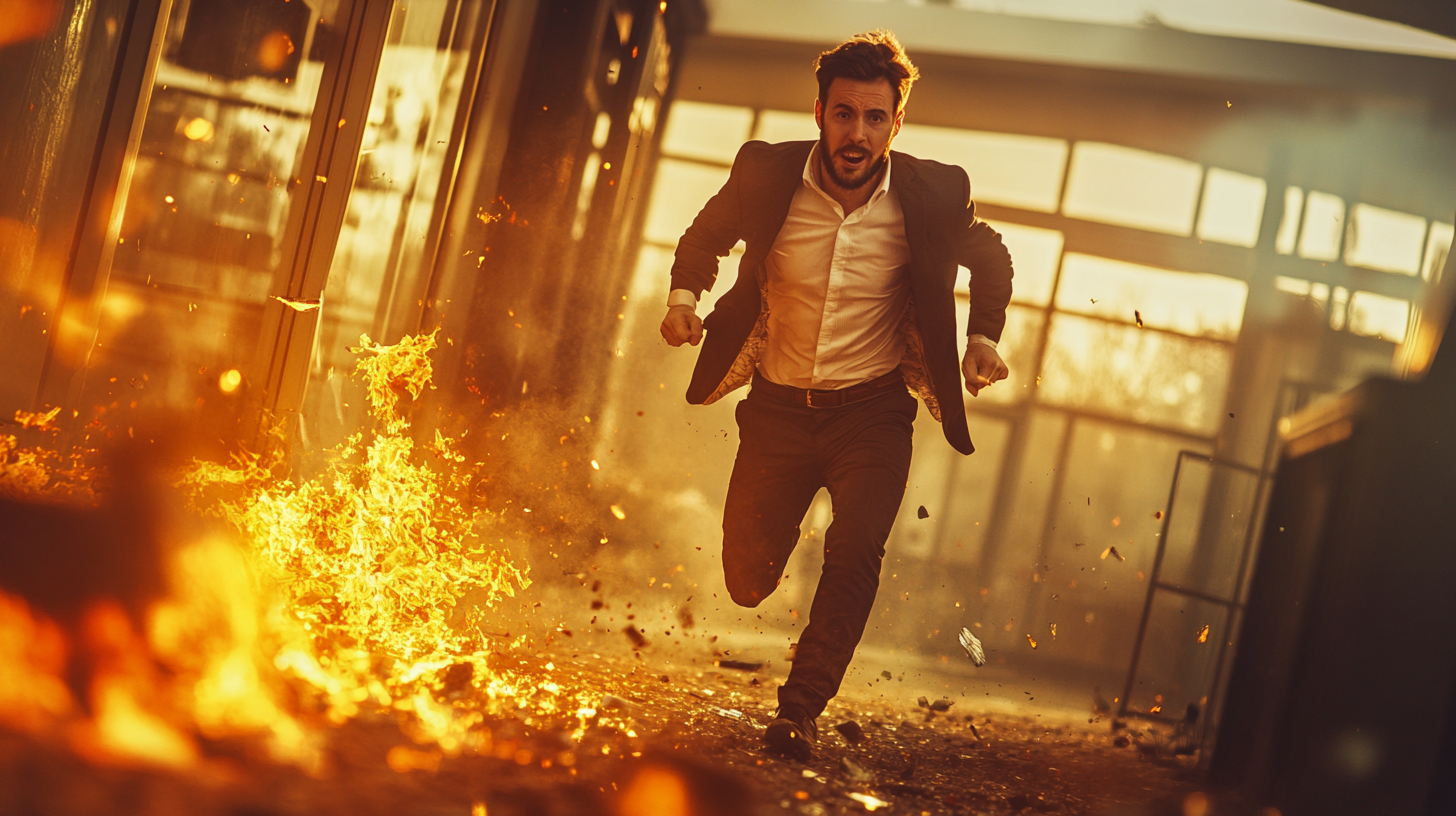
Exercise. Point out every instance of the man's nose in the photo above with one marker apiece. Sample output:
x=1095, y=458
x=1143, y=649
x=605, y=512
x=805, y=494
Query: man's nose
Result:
x=858, y=131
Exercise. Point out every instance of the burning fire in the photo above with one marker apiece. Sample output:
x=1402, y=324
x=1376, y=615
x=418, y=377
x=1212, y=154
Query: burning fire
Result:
x=348, y=591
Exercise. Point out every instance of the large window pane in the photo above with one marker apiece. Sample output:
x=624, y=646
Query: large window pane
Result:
x=1324, y=227
x=971, y=491
x=678, y=193
x=1005, y=168
x=1132, y=188
x=1035, y=254
x=1116, y=480
x=698, y=130
x=1232, y=207
x=1386, y=240
x=1143, y=376
x=1186, y=302
x=785, y=126
x=217, y=174
x=1373, y=315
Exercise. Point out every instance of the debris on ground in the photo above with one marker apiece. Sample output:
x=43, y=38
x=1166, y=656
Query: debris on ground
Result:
x=648, y=733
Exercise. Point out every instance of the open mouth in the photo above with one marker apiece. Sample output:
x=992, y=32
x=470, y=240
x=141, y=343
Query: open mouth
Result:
x=853, y=159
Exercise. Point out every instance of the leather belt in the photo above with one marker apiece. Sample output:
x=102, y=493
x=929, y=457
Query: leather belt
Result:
x=828, y=398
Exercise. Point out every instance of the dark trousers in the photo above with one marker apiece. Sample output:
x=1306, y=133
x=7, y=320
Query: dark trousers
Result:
x=786, y=452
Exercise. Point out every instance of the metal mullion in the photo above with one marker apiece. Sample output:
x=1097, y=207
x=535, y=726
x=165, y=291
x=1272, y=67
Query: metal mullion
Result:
x=104, y=201
x=326, y=175
x=445, y=198
x=1137, y=648
x=1193, y=593
x=1130, y=424
x=1151, y=329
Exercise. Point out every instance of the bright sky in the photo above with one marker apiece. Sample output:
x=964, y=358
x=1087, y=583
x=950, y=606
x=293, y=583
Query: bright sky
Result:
x=1278, y=20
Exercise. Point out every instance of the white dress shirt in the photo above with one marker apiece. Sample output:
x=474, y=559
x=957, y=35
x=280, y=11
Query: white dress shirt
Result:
x=837, y=287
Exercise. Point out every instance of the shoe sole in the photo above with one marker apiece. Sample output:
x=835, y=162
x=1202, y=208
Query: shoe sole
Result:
x=787, y=739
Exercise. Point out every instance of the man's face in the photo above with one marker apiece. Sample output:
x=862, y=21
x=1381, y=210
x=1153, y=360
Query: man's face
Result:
x=856, y=127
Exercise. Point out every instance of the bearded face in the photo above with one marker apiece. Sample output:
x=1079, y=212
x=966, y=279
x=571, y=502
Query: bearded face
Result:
x=856, y=127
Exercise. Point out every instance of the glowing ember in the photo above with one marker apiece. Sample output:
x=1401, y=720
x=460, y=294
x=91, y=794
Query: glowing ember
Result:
x=1203, y=634
x=40, y=475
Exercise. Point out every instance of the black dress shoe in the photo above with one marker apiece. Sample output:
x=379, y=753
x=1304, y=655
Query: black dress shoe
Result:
x=791, y=734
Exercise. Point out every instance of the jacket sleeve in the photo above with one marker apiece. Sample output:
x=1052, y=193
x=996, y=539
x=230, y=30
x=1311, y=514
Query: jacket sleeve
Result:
x=712, y=234
x=980, y=250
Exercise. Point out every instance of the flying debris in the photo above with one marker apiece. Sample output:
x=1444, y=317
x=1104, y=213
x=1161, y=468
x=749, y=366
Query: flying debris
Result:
x=922, y=512
x=1112, y=551
x=1138, y=316
x=740, y=665
x=851, y=731
x=300, y=304
x=972, y=645
x=1203, y=634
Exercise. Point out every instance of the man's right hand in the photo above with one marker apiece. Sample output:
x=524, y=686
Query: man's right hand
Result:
x=682, y=325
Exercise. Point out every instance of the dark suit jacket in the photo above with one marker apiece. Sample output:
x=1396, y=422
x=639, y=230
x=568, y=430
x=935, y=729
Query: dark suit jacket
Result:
x=940, y=227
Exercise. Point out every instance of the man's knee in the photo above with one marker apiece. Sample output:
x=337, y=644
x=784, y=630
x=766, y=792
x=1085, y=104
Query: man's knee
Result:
x=747, y=596
x=749, y=584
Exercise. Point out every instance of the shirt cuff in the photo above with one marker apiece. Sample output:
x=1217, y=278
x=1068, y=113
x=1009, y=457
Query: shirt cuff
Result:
x=683, y=297
x=983, y=340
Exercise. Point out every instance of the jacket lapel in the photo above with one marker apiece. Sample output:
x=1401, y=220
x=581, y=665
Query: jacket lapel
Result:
x=907, y=185
x=779, y=182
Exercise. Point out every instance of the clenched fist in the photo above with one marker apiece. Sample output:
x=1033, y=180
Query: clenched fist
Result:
x=982, y=366
x=682, y=325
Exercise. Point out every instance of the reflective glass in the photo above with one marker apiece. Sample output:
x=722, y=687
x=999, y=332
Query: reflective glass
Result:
x=216, y=178
x=1324, y=227
x=1132, y=188
x=1373, y=315
x=679, y=191
x=973, y=482
x=698, y=130
x=1035, y=254
x=1150, y=377
x=1386, y=240
x=1190, y=303
x=785, y=126
x=1232, y=207
x=382, y=262
x=1005, y=168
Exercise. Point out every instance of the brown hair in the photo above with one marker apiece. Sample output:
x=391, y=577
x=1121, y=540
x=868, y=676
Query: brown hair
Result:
x=867, y=57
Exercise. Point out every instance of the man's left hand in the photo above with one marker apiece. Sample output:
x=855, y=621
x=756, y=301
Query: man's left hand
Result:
x=981, y=367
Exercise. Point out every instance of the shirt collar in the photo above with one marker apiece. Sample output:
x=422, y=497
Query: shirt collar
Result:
x=813, y=182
